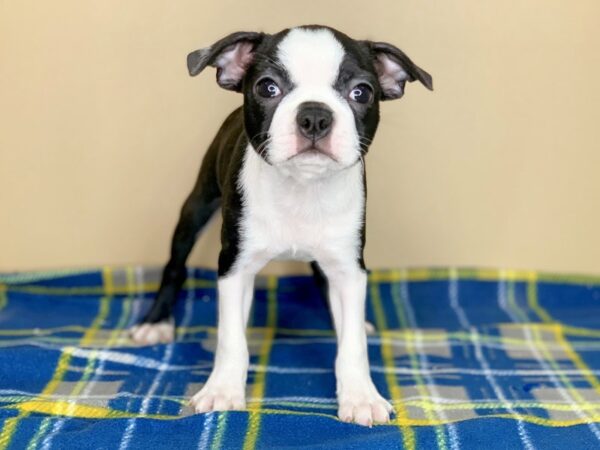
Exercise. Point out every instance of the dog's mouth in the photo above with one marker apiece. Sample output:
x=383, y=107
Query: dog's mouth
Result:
x=313, y=151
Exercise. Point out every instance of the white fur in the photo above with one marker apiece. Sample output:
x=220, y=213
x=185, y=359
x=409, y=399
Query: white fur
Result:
x=291, y=215
x=312, y=59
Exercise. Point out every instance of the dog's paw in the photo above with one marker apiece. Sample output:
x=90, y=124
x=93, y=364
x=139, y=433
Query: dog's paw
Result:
x=370, y=328
x=213, y=397
x=364, y=408
x=153, y=333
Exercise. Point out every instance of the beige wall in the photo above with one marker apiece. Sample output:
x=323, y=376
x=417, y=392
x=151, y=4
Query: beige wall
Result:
x=102, y=131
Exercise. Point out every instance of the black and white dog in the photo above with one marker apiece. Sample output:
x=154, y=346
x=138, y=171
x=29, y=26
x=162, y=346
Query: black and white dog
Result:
x=287, y=170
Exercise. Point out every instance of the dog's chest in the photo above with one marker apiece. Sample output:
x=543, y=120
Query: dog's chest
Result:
x=304, y=220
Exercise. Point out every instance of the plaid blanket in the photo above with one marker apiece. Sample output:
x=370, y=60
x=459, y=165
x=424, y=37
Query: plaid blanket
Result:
x=469, y=358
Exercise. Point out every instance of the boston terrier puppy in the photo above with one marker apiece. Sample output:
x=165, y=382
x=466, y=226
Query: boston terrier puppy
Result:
x=287, y=170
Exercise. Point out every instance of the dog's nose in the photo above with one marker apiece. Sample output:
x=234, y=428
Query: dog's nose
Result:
x=314, y=120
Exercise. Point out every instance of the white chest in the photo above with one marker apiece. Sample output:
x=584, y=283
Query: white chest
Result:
x=307, y=219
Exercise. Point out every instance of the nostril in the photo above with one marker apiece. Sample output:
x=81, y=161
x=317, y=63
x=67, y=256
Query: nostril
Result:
x=306, y=124
x=323, y=124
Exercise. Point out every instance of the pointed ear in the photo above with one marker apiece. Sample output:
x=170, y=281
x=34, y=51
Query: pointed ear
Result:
x=394, y=69
x=232, y=56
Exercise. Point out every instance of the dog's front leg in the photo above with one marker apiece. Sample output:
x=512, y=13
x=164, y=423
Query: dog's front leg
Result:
x=225, y=388
x=358, y=398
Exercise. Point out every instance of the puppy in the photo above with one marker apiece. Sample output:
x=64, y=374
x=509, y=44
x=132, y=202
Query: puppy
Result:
x=287, y=170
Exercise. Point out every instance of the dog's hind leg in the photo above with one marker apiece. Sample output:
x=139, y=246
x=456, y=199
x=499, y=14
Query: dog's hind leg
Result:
x=201, y=204
x=158, y=324
x=320, y=279
x=323, y=287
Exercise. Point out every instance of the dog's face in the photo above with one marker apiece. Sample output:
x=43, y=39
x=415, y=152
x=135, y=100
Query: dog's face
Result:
x=311, y=94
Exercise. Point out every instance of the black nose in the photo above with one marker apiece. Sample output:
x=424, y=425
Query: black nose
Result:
x=314, y=120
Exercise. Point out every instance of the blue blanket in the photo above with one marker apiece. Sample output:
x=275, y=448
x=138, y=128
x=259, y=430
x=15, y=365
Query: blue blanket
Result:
x=469, y=359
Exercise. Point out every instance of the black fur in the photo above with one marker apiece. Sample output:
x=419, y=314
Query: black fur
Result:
x=216, y=185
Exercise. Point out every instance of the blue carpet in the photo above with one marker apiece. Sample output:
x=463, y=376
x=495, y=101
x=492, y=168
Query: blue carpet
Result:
x=469, y=359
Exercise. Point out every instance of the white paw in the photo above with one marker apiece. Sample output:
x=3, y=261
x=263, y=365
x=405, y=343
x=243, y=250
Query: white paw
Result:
x=213, y=397
x=364, y=408
x=153, y=333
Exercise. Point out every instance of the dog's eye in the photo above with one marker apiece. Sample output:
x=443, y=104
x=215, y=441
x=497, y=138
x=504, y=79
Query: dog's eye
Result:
x=361, y=93
x=267, y=88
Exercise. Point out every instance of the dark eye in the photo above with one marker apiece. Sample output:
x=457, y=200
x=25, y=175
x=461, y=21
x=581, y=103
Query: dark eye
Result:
x=361, y=93
x=267, y=88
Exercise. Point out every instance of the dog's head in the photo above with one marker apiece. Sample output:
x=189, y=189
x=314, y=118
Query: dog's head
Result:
x=311, y=94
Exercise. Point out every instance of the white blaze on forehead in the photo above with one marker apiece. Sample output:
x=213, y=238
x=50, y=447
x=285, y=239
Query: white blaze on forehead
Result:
x=311, y=56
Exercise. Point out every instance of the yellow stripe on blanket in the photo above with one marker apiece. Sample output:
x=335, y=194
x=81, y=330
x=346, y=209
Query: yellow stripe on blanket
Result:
x=258, y=389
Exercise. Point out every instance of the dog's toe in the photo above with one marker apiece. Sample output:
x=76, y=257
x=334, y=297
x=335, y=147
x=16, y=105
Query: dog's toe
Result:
x=153, y=333
x=370, y=328
x=364, y=410
x=218, y=398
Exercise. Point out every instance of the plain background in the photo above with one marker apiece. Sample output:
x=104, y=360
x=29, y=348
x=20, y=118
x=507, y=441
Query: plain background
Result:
x=102, y=131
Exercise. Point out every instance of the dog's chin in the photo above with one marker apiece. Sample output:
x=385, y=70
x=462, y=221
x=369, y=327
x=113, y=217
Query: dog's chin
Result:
x=308, y=166
x=311, y=164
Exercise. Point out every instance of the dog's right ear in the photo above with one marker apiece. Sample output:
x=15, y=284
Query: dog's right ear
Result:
x=232, y=56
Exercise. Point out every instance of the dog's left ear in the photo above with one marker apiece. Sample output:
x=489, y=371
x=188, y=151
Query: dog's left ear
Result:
x=394, y=69
x=231, y=55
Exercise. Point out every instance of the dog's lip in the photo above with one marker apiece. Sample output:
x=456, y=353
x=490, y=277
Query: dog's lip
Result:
x=313, y=150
